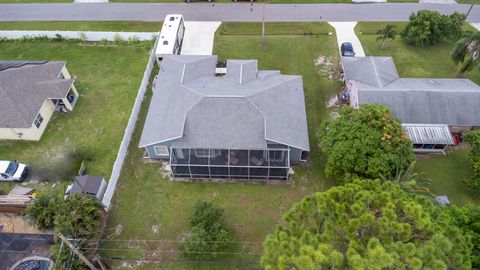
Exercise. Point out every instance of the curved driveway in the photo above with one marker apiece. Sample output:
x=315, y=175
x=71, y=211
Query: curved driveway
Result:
x=239, y=12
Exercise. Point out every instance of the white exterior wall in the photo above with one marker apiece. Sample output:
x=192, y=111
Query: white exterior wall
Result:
x=101, y=190
x=353, y=91
x=33, y=133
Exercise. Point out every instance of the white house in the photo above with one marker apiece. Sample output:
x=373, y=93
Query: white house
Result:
x=30, y=91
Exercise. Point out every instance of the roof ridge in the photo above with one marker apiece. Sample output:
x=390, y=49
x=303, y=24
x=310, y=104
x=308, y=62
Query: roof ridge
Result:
x=377, y=77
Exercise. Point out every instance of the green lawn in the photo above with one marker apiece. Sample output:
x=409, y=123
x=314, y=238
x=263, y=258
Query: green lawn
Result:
x=125, y=26
x=33, y=1
x=107, y=80
x=253, y=210
x=446, y=172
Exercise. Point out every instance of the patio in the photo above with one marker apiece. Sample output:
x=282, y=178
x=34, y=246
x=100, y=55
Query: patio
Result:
x=261, y=164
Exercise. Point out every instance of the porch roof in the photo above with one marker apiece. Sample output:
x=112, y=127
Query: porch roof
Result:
x=428, y=134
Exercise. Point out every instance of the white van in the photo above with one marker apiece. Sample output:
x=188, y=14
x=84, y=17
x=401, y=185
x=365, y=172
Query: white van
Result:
x=12, y=171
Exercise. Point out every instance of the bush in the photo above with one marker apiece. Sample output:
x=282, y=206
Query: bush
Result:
x=44, y=211
x=209, y=237
x=366, y=142
x=75, y=217
x=473, y=137
x=429, y=27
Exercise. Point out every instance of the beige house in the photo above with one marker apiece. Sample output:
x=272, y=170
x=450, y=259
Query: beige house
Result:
x=30, y=92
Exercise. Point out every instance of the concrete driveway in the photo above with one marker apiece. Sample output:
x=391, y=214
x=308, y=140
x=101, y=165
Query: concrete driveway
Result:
x=346, y=33
x=198, y=38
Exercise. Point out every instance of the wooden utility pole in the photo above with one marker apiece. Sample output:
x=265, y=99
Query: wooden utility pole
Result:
x=470, y=9
x=263, y=42
x=77, y=252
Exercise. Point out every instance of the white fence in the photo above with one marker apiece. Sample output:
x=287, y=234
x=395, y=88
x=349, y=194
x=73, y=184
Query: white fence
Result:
x=87, y=35
x=122, y=152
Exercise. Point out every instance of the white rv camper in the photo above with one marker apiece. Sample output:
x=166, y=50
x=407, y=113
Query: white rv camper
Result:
x=171, y=36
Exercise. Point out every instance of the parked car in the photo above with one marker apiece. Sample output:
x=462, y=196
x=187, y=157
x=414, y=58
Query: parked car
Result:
x=12, y=171
x=347, y=49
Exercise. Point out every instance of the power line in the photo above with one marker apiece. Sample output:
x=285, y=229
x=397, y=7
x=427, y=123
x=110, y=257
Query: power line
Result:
x=164, y=240
x=176, y=261
x=172, y=251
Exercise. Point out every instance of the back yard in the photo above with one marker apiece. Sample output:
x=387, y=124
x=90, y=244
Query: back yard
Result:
x=446, y=172
x=148, y=206
x=108, y=78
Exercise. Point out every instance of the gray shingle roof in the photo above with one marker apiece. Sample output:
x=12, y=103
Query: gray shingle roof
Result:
x=454, y=102
x=25, y=86
x=375, y=71
x=242, y=110
x=87, y=183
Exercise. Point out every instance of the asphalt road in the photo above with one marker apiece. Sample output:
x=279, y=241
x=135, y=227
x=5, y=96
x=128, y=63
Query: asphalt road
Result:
x=239, y=12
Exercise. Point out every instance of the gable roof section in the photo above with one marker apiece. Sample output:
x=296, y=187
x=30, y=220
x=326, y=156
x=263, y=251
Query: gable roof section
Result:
x=452, y=102
x=25, y=86
x=375, y=71
x=241, y=110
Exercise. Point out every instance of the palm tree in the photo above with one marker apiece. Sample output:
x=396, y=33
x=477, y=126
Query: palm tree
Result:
x=411, y=181
x=385, y=33
x=467, y=51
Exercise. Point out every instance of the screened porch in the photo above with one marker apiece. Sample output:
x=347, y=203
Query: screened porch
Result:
x=262, y=164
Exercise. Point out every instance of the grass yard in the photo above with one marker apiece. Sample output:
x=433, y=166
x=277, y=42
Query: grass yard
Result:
x=446, y=172
x=125, y=26
x=33, y=1
x=145, y=198
x=108, y=78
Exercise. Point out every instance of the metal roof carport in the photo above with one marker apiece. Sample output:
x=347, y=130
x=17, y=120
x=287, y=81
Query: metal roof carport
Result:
x=429, y=138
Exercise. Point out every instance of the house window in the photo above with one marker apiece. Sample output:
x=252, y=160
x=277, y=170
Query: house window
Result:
x=277, y=156
x=207, y=153
x=38, y=120
x=61, y=77
x=161, y=150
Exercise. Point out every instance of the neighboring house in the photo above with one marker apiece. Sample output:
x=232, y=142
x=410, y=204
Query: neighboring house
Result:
x=430, y=109
x=92, y=186
x=30, y=91
x=248, y=124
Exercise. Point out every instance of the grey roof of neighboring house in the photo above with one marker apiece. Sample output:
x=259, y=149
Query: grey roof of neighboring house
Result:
x=87, y=184
x=192, y=108
x=375, y=71
x=24, y=87
x=454, y=102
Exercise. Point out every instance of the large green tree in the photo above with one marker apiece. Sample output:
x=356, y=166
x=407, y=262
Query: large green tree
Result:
x=467, y=218
x=366, y=142
x=428, y=27
x=473, y=137
x=366, y=225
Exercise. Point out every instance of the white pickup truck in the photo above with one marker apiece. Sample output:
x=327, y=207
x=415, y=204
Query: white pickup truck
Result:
x=12, y=171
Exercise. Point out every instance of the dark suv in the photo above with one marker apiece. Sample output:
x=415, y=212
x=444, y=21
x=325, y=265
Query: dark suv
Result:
x=347, y=49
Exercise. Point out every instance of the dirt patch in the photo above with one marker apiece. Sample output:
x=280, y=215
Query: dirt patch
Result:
x=328, y=66
x=15, y=223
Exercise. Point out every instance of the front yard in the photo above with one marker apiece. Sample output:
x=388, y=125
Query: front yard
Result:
x=446, y=172
x=148, y=206
x=108, y=78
